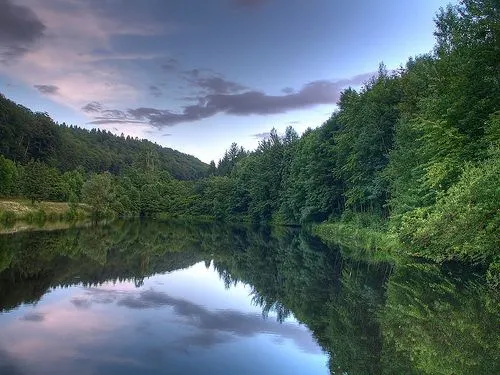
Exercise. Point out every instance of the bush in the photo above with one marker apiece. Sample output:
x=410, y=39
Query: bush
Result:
x=38, y=217
x=464, y=223
x=7, y=217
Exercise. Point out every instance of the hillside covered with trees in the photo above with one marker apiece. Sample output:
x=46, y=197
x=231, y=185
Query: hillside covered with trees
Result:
x=416, y=151
x=25, y=136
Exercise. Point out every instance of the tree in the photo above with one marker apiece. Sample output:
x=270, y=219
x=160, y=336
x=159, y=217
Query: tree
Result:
x=99, y=193
x=8, y=177
x=36, y=181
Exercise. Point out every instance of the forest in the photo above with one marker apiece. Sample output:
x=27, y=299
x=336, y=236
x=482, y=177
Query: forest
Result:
x=415, y=153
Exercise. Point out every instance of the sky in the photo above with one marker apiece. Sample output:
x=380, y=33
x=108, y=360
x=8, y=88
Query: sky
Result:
x=197, y=75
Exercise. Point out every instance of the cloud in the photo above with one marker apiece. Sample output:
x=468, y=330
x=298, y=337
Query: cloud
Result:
x=262, y=136
x=106, y=116
x=93, y=107
x=82, y=47
x=288, y=90
x=209, y=327
x=219, y=85
x=240, y=103
x=155, y=91
x=210, y=82
x=249, y=3
x=171, y=65
x=34, y=317
x=214, y=327
x=81, y=303
x=20, y=28
x=107, y=121
x=47, y=89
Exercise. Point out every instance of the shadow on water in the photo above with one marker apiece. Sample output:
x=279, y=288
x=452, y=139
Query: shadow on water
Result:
x=370, y=317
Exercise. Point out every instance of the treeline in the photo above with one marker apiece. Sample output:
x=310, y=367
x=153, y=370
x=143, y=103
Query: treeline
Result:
x=138, y=190
x=25, y=136
x=418, y=147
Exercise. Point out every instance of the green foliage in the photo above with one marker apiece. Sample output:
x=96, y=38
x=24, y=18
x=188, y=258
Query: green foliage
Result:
x=7, y=217
x=8, y=177
x=465, y=222
x=99, y=193
x=440, y=324
x=40, y=182
x=36, y=217
x=25, y=135
x=355, y=237
x=364, y=140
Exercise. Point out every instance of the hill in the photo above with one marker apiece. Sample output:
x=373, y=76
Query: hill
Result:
x=26, y=135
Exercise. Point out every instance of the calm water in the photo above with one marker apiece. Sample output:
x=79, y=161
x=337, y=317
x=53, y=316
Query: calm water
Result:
x=173, y=298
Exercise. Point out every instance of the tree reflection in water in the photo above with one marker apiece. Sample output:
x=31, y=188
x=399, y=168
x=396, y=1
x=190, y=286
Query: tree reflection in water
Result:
x=371, y=317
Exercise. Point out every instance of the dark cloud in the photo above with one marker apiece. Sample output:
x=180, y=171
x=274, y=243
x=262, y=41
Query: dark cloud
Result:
x=288, y=90
x=209, y=327
x=81, y=303
x=166, y=135
x=116, y=116
x=170, y=65
x=262, y=136
x=20, y=27
x=155, y=91
x=93, y=107
x=107, y=121
x=250, y=3
x=239, y=103
x=33, y=317
x=193, y=73
x=214, y=327
x=218, y=85
x=210, y=82
x=112, y=113
x=47, y=89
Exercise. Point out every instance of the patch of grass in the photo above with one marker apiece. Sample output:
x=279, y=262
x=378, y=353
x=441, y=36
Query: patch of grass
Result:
x=353, y=236
x=7, y=217
x=36, y=217
x=14, y=211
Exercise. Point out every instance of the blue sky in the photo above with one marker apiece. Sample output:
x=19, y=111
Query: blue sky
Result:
x=196, y=75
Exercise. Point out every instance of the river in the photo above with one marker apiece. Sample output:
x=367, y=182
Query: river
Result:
x=147, y=297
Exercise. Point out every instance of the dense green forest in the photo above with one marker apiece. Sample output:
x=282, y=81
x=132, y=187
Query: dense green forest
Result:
x=415, y=151
x=26, y=136
x=370, y=317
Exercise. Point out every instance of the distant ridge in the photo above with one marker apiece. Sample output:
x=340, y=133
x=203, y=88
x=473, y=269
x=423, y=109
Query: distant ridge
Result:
x=26, y=135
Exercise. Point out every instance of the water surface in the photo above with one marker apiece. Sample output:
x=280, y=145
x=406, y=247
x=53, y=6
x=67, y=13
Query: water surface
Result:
x=179, y=298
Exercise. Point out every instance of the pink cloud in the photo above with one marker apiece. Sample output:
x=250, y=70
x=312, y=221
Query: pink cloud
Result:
x=65, y=57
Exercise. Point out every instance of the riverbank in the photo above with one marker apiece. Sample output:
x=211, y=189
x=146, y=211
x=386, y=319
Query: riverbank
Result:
x=351, y=235
x=21, y=210
x=359, y=241
x=379, y=244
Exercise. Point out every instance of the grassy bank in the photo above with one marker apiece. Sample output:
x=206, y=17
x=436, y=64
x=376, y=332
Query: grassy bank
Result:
x=350, y=235
x=374, y=242
x=20, y=210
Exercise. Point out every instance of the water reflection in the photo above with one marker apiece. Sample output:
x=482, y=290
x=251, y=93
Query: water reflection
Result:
x=135, y=296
